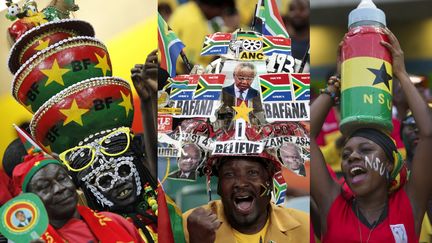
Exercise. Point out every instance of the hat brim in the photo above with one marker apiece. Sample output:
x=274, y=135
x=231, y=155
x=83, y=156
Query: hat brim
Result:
x=212, y=160
x=81, y=27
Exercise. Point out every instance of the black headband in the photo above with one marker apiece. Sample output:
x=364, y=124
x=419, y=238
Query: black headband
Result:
x=378, y=137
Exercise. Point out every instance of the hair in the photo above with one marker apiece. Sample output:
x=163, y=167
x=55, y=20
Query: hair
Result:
x=266, y=163
x=381, y=139
x=225, y=3
x=13, y=155
x=196, y=147
x=245, y=65
x=19, y=211
x=293, y=145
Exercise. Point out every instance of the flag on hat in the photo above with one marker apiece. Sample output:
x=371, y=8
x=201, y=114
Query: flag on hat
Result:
x=170, y=47
x=209, y=87
x=176, y=84
x=268, y=11
x=29, y=144
x=216, y=44
x=301, y=85
x=275, y=87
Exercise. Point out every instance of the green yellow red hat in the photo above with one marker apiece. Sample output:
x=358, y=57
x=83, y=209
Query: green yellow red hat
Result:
x=57, y=67
x=81, y=110
x=43, y=36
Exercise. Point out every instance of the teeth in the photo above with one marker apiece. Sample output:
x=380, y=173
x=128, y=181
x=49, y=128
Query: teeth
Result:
x=124, y=192
x=356, y=169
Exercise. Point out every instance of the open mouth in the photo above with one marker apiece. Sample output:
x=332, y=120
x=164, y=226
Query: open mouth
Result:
x=124, y=193
x=244, y=204
x=357, y=174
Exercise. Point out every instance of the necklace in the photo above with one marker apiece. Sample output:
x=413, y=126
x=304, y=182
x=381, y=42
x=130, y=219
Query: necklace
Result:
x=375, y=223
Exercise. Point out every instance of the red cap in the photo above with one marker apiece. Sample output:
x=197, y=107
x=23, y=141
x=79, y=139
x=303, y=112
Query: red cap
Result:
x=32, y=163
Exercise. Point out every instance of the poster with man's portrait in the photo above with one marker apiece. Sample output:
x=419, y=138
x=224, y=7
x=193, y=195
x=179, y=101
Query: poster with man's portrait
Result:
x=241, y=87
x=291, y=157
x=191, y=156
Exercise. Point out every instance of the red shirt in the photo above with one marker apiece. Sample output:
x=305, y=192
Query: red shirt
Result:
x=344, y=226
x=76, y=230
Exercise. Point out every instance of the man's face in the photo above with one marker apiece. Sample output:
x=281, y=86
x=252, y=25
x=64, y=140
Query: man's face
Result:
x=20, y=216
x=241, y=185
x=190, y=158
x=56, y=190
x=291, y=157
x=299, y=14
x=243, y=78
x=113, y=176
x=410, y=135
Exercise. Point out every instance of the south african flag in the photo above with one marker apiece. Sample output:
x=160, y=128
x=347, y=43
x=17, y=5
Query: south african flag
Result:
x=176, y=84
x=275, y=87
x=275, y=44
x=209, y=87
x=279, y=188
x=170, y=47
x=301, y=84
x=184, y=92
x=216, y=44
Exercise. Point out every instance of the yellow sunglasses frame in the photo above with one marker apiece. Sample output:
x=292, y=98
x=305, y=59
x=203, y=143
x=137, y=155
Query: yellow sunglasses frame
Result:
x=126, y=130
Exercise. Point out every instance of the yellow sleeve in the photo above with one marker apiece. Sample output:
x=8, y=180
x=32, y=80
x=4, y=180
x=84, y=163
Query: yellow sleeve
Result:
x=426, y=230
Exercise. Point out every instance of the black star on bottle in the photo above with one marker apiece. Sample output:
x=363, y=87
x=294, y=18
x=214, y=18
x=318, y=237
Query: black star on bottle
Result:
x=381, y=76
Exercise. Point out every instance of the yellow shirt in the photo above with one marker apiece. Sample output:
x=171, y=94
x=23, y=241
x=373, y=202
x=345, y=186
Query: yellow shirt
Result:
x=254, y=238
x=191, y=26
x=426, y=231
x=285, y=225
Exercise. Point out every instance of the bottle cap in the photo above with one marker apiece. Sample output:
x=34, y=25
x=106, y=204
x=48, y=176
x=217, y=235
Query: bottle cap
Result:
x=366, y=11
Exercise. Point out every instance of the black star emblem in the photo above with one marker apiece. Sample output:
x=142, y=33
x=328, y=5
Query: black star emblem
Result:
x=381, y=76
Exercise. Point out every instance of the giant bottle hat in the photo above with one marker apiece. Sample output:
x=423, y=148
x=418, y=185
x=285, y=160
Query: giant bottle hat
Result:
x=81, y=110
x=43, y=36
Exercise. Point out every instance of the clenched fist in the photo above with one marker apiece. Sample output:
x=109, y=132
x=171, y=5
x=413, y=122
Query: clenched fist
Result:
x=202, y=225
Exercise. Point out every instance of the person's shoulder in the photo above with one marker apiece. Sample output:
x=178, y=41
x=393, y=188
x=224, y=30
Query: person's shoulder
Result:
x=186, y=12
x=228, y=87
x=174, y=174
x=295, y=214
x=114, y=216
x=253, y=90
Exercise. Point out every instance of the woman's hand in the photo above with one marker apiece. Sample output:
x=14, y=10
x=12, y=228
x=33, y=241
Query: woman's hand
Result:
x=397, y=53
x=334, y=85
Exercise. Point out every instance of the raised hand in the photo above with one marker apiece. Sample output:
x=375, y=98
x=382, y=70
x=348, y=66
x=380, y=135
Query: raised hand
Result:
x=397, y=54
x=202, y=225
x=144, y=77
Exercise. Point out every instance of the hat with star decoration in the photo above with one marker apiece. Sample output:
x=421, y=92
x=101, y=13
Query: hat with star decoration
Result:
x=83, y=109
x=40, y=37
x=57, y=67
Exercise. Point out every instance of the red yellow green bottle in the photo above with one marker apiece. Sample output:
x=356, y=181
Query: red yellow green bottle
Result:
x=366, y=72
